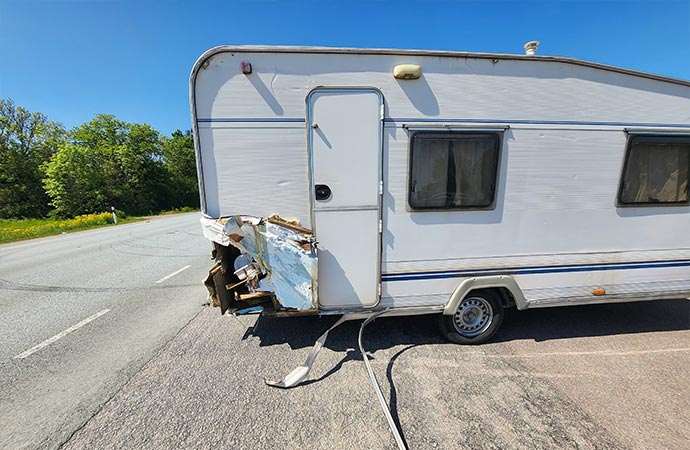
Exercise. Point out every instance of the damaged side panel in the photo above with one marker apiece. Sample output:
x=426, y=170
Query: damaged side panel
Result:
x=261, y=264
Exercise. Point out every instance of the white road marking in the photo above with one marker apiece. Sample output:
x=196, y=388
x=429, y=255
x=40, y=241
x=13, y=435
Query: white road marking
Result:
x=61, y=334
x=173, y=274
x=602, y=353
x=583, y=353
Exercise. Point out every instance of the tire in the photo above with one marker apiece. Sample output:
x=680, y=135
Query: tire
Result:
x=477, y=319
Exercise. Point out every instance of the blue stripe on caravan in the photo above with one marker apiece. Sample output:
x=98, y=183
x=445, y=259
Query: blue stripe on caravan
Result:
x=560, y=266
x=425, y=120
x=538, y=122
x=441, y=274
x=253, y=120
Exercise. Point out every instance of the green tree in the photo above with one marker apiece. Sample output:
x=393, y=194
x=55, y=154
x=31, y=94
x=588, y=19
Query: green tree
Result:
x=107, y=162
x=27, y=142
x=180, y=164
x=74, y=181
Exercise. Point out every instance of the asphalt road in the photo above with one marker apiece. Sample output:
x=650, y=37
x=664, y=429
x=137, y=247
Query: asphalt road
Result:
x=596, y=377
x=50, y=286
x=155, y=373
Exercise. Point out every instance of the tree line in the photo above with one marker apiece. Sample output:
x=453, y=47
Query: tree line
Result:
x=46, y=170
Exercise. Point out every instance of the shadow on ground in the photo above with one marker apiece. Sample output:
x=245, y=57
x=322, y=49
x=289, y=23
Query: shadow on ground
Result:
x=410, y=332
x=595, y=320
x=538, y=325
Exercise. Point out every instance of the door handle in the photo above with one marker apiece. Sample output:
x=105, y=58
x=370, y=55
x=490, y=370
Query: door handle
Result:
x=322, y=192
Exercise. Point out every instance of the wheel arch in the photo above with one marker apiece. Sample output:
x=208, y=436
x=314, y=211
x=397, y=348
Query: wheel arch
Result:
x=505, y=285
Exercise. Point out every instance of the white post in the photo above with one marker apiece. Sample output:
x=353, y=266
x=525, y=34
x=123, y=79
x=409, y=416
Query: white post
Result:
x=112, y=208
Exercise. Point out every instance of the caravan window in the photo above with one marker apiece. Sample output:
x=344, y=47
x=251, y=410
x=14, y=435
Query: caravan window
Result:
x=453, y=170
x=655, y=171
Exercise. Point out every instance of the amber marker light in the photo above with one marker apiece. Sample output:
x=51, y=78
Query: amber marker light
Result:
x=599, y=292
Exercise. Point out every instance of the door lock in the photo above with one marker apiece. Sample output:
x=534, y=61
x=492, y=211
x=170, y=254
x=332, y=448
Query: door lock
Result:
x=322, y=192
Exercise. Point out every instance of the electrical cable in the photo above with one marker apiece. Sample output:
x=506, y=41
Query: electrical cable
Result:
x=377, y=387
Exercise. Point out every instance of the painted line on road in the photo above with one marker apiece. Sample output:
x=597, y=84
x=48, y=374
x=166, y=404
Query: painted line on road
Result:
x=602, y=353
x=60, y=335
x=582, y=353
x=173, y=274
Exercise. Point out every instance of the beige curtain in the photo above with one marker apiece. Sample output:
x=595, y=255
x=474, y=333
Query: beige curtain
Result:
x=474, y=170
x=657, y=173
x=430, y=175
x=473, y=166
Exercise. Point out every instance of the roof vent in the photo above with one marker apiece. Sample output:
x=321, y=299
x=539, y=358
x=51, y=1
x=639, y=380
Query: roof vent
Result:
x=531, y=47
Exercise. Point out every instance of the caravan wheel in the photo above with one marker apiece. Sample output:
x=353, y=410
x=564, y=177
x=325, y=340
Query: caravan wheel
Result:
x=478, y=317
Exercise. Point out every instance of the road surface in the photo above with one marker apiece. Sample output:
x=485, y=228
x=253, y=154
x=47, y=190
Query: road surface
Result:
x=160, y=371
x=611, y=377
x=81, y=313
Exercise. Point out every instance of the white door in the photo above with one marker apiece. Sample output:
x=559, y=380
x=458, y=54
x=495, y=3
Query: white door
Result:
x=345, y=140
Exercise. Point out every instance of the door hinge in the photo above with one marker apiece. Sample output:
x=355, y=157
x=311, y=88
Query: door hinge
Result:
x=379, y=290
x=380, y=226
x=381, y=187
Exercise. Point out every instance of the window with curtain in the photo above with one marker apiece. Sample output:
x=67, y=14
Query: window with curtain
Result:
x=453, y=170
x=656, y=171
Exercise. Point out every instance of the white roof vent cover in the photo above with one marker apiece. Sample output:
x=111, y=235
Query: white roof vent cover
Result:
x=531, y=47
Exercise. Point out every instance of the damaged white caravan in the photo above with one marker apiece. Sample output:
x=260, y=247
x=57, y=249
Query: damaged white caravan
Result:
x=338, y=181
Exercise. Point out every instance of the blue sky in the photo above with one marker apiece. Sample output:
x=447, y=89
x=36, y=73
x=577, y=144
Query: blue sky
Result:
x=73, y=59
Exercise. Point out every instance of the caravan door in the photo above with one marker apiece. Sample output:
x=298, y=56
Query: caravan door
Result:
x=345, y=133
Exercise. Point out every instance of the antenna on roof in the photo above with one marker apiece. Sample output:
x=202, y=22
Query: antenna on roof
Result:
x=531, y=47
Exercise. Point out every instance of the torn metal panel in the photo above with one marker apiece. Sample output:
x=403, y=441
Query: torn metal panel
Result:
x=301, y=373
x=217, y=284
x=283, y=252
x=291, y=259
x=213, y=230
x=211, y=286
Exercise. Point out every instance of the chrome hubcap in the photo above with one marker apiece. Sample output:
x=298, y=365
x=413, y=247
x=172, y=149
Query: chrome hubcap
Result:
x=473, y=316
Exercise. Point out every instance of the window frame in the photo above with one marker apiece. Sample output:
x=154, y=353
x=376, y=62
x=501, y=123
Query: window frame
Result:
x=496, y=136
x=653, y=138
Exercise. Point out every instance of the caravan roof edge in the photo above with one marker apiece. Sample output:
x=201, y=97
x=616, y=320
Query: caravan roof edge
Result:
x=439, y=53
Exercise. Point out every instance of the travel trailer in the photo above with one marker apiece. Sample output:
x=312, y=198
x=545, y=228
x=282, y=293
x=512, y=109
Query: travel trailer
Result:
x=377, y=181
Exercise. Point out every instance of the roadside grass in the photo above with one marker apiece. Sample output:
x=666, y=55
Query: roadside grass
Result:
x=12, y=230
x=184, y=209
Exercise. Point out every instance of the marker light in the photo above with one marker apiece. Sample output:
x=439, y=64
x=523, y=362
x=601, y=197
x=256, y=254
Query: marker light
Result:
x=407, y=71
x=599, y=292
x=246, y=67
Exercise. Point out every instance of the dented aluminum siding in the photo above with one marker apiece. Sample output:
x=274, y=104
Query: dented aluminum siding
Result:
x=285, y=253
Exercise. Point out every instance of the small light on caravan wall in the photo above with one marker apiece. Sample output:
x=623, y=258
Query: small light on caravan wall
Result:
x=599, y=292
x=246, y=67
x=407, y=71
